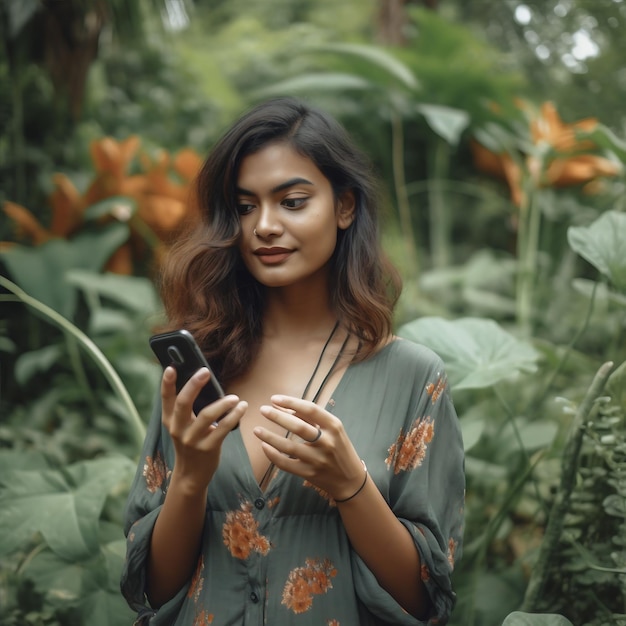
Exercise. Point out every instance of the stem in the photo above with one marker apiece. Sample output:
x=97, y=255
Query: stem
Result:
x=569, y=467
x=134, y=420
x=492, y=529
x=568, y=349
x=528, y=247
x=79, y=371
x=439, y=213
x=404, y=208
x=520, y=443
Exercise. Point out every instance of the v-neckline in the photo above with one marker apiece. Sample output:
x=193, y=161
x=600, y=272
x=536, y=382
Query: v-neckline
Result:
x=338, y=388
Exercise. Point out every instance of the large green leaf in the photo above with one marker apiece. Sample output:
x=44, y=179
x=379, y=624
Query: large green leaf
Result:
x=40, y=271
x=314, y=82
x=477, y=352
x=30, y=363
x=447, y=122
x=616, y=387
x=134, y=293
x=63, y=506
x=19, y=14
x=603, y=244
x=120, y=207
x=377, y=56
x=535, y=619
x=91, y=585
x=607, y=139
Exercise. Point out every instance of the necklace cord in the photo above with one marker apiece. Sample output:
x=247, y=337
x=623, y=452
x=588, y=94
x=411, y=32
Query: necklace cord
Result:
x=271, y=466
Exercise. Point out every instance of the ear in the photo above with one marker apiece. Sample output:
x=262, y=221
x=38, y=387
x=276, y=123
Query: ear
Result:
x=346, y=208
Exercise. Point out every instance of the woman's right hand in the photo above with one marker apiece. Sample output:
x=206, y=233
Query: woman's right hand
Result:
x=198, y=438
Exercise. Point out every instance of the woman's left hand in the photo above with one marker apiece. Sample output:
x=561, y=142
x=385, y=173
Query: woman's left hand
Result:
x=321, y=453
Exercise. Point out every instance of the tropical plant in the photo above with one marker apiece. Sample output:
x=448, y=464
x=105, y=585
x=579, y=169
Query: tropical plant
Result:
x=535, y=159
x=68, y=447
x=563, y=479
x=154, y=202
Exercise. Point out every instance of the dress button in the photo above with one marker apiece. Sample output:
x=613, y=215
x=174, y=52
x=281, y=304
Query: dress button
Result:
x=254, y=597
x=259, y=503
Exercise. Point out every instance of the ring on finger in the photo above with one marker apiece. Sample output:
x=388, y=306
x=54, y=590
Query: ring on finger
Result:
x=319, y=434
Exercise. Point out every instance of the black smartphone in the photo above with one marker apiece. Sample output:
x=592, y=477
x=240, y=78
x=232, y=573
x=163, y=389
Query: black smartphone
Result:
x=179, y=349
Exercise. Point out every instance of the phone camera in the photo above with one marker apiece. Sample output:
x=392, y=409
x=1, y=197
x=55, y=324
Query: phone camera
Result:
x=175, y=355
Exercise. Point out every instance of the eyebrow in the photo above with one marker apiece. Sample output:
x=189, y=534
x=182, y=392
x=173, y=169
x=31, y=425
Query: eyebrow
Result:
x=288, y=183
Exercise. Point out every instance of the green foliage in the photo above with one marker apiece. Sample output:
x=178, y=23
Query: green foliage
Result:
x=587, y=572
x=478, y=353
x=75, y=368
x=457, y=68
x=603, y=245
x=64, y=480
x=41, y=271
x=528, y=619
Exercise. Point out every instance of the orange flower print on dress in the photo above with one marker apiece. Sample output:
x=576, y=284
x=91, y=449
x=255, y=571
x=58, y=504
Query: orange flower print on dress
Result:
x=203, y=619
x=304, y=582
x=320, y=492
x=451, y=550
x=197, y=581
x=240, y=533
x=434, y=390
x=409, y=450
x=155, y=472
x=424, y=573
x=333, y=622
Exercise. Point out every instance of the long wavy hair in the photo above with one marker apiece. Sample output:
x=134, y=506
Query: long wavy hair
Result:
x=205, y=286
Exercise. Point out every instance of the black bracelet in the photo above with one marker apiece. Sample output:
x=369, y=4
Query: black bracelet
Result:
x=358, y=491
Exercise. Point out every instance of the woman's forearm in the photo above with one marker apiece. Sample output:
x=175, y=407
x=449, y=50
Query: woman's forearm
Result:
x=175, y=543
x=386, y=547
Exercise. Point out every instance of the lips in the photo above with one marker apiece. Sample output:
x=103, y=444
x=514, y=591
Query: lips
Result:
x=271, y=256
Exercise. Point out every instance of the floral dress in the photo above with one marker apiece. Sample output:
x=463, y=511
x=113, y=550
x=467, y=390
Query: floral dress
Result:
x=282, y=557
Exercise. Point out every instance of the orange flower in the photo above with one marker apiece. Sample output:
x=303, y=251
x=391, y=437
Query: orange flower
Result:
x=162, y=193
x=197, y=581
x=549, y=128
x=203, y=619
x=67, y=206
x=27, y=224
x=155, y=472
x=579, y=170
x=563, y=158
x=451, y=550
x=304, y=582
x=500, y=165
x=240, y=533
x=434, y=390
x=409, y=450
x=113, y=157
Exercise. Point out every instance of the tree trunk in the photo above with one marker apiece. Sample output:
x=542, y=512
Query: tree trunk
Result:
x=392, y=20
x=71, y=33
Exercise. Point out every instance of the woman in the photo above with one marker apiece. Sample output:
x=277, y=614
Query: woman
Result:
x=338, y=499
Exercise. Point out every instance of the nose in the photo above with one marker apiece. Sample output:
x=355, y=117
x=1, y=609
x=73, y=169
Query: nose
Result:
x=268, y=223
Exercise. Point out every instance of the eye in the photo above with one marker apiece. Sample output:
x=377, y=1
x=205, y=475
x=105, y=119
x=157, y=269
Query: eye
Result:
x=293, y=203
x=243, y=208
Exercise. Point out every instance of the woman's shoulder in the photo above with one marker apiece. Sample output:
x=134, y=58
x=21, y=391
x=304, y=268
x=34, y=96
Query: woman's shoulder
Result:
x=404, y=353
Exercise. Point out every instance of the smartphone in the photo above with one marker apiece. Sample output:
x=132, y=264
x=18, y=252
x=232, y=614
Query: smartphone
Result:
x=179, y=349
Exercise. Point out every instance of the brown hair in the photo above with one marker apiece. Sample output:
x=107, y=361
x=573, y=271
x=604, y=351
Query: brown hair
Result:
x=205, y=286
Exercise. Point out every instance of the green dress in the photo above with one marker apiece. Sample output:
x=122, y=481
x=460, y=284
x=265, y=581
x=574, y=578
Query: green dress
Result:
x=282, y=557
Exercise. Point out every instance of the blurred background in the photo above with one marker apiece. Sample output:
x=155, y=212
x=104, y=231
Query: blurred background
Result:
x=498, y=130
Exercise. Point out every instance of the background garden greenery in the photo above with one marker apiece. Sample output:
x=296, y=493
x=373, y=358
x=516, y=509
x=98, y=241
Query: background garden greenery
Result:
x=498, y=131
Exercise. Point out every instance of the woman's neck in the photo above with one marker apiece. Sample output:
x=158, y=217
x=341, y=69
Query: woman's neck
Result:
x=295, y=312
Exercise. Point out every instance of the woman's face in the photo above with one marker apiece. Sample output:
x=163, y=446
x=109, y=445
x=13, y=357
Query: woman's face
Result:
x=289, y=216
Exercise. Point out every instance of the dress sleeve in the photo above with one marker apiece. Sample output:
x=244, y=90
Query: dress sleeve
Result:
x=143, y=505
x=426, y=492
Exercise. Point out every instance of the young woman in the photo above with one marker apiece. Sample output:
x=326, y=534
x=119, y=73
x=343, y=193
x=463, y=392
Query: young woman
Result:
x=331, y=493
